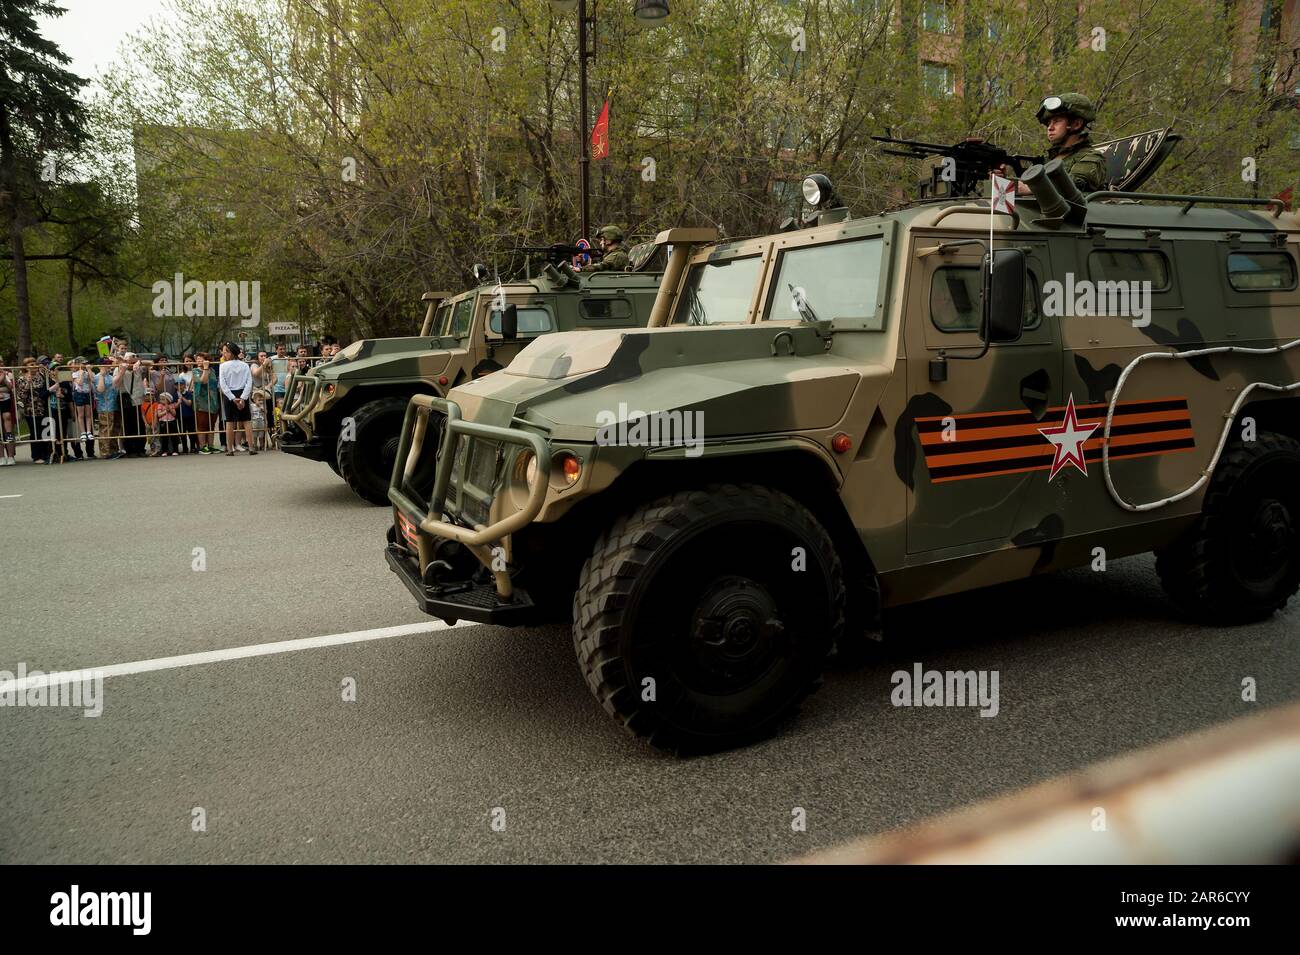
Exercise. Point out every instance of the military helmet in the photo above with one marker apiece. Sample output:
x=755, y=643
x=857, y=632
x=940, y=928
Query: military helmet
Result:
x=1067, y=104
x=611, y=232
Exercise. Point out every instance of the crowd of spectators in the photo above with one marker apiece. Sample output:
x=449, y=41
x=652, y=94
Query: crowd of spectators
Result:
x=126, y=405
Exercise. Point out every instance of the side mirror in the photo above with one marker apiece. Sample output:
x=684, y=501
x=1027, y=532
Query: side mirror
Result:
x=510, y=323
x=1004, y=296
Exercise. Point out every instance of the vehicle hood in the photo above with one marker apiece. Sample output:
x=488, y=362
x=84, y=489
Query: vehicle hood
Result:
x=574, y=383
x=385, y=357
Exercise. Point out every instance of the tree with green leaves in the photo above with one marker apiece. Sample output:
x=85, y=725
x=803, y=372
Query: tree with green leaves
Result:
x=40, y=117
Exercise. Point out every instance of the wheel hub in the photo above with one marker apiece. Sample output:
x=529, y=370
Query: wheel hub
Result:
x=1273, y=532
x=734, y=627
x=1266, y=541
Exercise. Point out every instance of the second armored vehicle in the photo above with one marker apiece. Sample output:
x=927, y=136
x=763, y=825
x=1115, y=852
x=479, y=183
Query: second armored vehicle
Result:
x=348, y=411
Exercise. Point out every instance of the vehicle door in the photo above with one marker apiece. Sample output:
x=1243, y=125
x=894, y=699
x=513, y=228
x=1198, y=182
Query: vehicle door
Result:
x=976, y=444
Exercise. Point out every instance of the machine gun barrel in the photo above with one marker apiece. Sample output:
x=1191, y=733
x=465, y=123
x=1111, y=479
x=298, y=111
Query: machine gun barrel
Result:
x=558, y=251
x=914, y=143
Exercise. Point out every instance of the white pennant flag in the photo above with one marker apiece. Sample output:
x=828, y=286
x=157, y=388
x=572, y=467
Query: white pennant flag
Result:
x=1004, y=194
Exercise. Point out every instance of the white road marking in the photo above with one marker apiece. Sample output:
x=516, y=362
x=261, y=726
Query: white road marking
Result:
x=7, y=496
x=231, y=653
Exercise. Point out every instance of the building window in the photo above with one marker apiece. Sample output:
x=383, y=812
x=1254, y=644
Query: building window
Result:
x=999, y=92
x=937, y=78
x=936, y=16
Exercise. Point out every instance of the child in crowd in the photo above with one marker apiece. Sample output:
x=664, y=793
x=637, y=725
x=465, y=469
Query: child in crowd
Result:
x=149, y=416
x=258, y=408
x=165, y=416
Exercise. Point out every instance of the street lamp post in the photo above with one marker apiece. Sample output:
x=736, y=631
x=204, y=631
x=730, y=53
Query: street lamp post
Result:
x=647, y=13
x=584, y=161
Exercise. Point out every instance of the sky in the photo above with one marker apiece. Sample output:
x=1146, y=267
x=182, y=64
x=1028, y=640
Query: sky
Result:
x=91, y=30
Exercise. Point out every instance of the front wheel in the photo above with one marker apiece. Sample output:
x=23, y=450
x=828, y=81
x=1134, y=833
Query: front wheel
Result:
x=1240, y=561
x=703, y=618
x=367, y=448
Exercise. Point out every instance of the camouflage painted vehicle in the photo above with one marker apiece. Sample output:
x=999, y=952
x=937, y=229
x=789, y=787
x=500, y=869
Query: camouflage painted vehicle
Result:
x=348, y=411
x=882, y=414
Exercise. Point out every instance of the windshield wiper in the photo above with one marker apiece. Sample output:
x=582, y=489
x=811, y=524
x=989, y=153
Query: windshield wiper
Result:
x=801, y=303
x=697, y=314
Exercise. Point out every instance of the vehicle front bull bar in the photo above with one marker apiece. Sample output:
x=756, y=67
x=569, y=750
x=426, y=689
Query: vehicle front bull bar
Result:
x=428, y=519
x=294, y=411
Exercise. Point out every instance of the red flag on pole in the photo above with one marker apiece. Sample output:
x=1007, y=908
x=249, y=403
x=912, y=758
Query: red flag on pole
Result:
x=600, y=134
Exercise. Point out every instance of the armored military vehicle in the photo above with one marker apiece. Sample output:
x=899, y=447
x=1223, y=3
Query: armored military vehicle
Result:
x=866, y=412
x=348, y=411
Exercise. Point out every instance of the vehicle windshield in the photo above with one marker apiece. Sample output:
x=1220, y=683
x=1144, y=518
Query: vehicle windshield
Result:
x=435, y=323
x=719, y=292
x=837, y=281
x=459, y=315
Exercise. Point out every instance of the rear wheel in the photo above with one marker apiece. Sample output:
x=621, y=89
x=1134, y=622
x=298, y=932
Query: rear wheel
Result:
x=365, y=453
x=705, y=617
x=1240, y=561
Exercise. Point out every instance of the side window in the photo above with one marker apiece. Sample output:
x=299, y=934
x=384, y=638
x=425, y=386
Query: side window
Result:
x=839, y=280
x=955, y=299
x=605, y=309
x=1261, y=271
x=1130, y=265
x=533, y=320
x=718, y=293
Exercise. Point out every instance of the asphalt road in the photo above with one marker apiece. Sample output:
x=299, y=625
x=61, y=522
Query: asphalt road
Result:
x=97, y=568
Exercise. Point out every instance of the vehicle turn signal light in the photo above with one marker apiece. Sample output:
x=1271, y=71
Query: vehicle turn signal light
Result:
x=570, y=467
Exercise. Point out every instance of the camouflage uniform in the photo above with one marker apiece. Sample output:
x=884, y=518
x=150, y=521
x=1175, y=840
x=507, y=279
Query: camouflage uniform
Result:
x=1084, y=164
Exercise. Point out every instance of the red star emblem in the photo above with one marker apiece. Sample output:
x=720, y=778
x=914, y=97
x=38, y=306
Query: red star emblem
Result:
x=1069, y=439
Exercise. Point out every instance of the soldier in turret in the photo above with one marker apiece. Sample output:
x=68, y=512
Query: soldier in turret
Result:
x=1067, y=118
x=614, y=258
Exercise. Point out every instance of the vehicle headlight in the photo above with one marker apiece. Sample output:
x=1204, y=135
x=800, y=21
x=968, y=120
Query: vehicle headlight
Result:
x=530, y=469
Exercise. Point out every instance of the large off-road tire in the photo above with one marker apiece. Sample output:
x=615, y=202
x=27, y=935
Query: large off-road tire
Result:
x=366, y=462
x=692, y=623
x=333, y=462
x=1240, y=561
